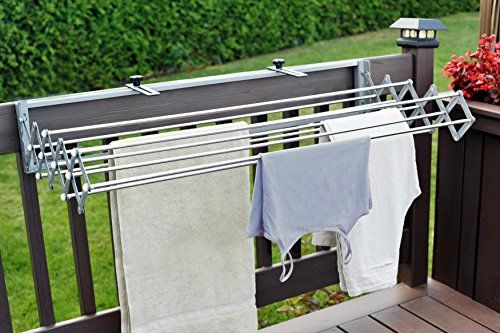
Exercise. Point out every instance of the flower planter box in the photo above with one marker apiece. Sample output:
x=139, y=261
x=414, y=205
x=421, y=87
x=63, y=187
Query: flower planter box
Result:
x=487, y=117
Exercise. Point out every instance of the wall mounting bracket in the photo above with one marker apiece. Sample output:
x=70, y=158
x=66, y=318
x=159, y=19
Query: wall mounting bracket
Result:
x=278, y=67
x=136, y=85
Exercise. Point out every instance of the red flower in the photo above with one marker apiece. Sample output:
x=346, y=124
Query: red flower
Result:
x=477, y=74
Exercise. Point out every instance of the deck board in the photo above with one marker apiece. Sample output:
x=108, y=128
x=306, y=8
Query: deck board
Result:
x=464, y=305
x=364, y=324
x=401, y=320
x=344, y=312
x=332, y=330
x=431, y=308
x=442, y=316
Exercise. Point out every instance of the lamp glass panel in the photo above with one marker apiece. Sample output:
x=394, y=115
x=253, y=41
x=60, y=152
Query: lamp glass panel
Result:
x=413, y=33
x=431, y=34
x=422, y=34
x=406, y=33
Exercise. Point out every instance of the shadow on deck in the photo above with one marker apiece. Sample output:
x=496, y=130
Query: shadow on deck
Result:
x=432, y=307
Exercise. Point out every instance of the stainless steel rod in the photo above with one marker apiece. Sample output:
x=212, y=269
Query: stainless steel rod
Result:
x=191, y=144
x=293, y=131
x=312, y=128
x=257, y=137
x=100, y=187
x=235, y=149
x=225, y=109
x=174, y=171
x=206, y=121
x=260, y=127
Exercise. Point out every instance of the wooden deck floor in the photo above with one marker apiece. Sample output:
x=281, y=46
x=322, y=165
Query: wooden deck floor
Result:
x=433, y=307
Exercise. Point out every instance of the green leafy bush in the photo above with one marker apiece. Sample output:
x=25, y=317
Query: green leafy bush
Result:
x=54, y=46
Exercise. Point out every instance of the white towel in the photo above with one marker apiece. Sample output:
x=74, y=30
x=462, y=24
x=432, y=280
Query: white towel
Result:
x=376, y=238
x=183, y=261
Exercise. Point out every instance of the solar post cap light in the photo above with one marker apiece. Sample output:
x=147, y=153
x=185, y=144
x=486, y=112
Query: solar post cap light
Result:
x=418, y=32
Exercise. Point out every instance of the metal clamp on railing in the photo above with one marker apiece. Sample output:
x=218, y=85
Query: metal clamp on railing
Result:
x=278, y=67
x=136, y=85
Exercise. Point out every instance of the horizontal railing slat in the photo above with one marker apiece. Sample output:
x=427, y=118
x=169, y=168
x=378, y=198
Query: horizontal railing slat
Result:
x=310, y=272
x=107, y=321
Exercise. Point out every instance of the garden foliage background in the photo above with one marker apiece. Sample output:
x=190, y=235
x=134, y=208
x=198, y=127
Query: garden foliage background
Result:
x=53, y=46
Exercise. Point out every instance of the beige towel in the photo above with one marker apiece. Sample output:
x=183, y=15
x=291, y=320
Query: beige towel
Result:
x=183, y=261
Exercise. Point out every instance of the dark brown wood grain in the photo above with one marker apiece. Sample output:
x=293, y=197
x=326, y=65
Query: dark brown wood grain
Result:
x=400, y=320
x=319, y=321
x=464, y=305
x=263, y=246
x=296, y=250
x=466, y=246
x=319, y=109
x=364, y=324
x=102, y=322
x=310, y=272
x=469, y=224
x=223, y=122
x=110, y=217
x=417, y=219
x=81, y=257
x=5, y=321
x=487, y=289
x=442, y=317
x=36, y=244
x=448, y=209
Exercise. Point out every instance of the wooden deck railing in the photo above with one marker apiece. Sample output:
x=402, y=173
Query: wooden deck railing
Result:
x=467, y=230
x=311, y=272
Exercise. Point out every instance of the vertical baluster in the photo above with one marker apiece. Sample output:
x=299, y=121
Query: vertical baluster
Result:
x=296, y=250
x=262, y=245
x=36, y=245
x=5, y=321
x=81, y=256
x=106, y=177
x=318, y=109
x=223, y=122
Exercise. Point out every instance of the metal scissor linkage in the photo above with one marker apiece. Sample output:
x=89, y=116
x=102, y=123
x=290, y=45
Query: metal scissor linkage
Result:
x=67, y=162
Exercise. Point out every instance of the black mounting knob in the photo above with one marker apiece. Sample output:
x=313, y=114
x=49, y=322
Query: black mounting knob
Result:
x=278, y=63
x=136, y=80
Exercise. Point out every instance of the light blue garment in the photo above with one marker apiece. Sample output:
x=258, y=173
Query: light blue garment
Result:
x=322, y=187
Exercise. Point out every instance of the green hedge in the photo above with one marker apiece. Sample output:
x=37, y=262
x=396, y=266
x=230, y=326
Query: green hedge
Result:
x=55, y=46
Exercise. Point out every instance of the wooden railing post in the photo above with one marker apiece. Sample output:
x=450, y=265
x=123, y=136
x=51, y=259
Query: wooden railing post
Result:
x=414, y=272
x=5, y=321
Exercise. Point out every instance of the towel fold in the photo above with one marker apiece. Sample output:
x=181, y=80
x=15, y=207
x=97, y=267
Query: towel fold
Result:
x=315, y=188
x=183, y=261
x=376, y=238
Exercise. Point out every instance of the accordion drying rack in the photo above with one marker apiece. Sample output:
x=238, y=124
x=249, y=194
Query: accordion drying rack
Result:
x=46, y=153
